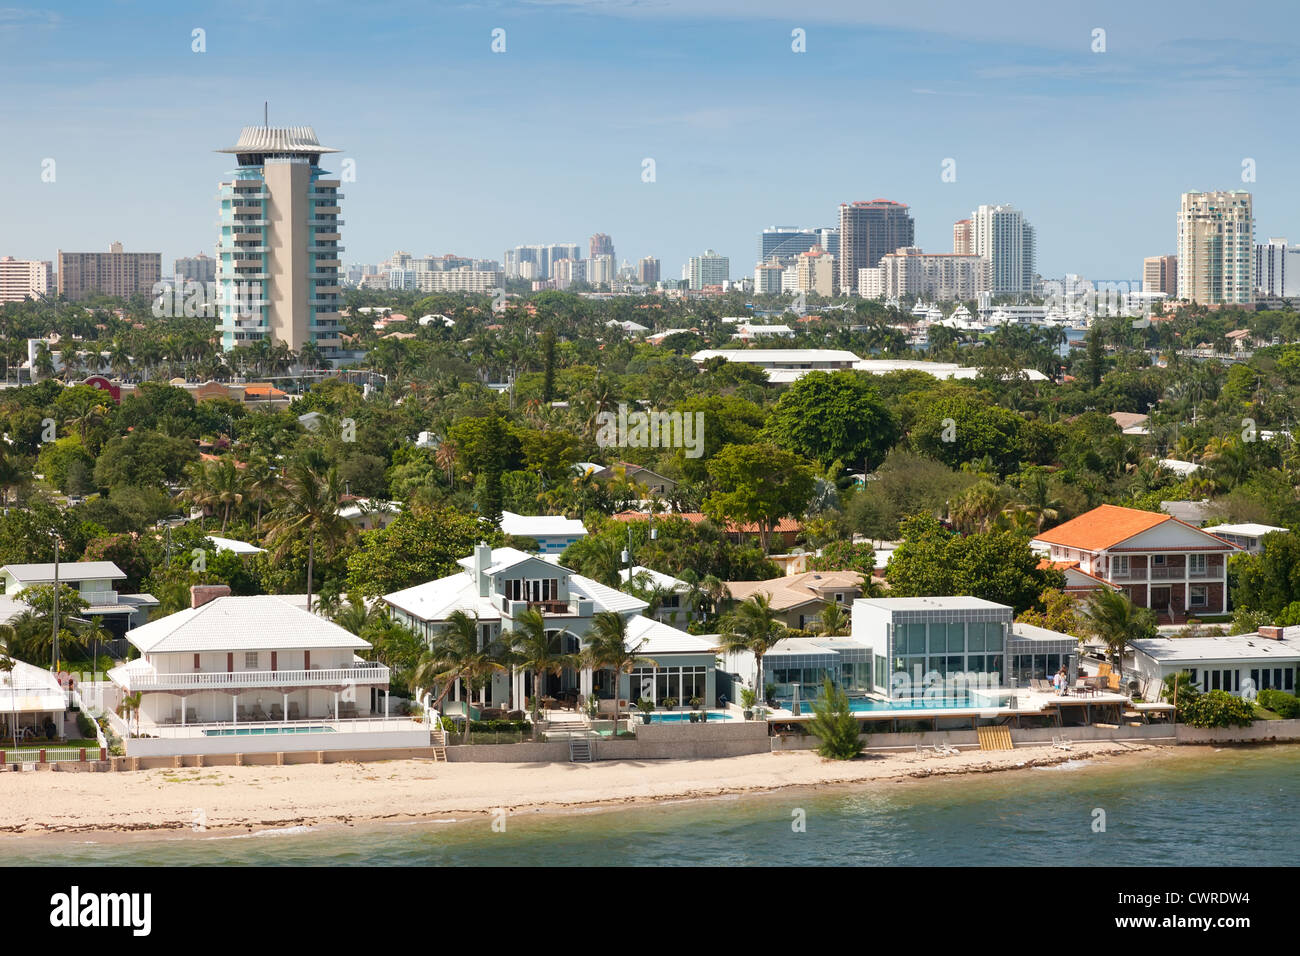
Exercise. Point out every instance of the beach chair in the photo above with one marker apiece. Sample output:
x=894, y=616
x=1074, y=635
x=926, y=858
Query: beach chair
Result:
x=277, y=712
x=946, y=750
x=294, y=713
x=1061, y=743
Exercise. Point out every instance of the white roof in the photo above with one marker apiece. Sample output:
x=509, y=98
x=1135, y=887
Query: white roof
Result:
x=628, y=326
x=937, y=369
x=68, y=571
x=776, y=356
x=1239, y=647
x=954, y=603
x=663, y=638
x=29, y=688
x=230, y=544
x=1183, y=468
x=366, y=506
x=533, y=526
x=1248, y=529
x=656, y=577
x=259, y=622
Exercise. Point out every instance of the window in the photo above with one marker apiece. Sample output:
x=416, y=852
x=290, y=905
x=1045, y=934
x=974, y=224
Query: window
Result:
x=1197, y=563
x=1158, y=560
x=1200, y=595
x=1119, y=565
x=250, y=660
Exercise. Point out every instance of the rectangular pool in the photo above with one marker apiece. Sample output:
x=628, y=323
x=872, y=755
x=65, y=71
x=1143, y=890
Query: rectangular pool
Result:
x=865, y=705
x=684, y=717
x=261, y=731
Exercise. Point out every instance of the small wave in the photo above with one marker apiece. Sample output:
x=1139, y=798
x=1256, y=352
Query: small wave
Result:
x=282, y=831
x=1068, y=765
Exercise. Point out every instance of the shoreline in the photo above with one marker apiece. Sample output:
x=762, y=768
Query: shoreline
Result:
x=229, y=801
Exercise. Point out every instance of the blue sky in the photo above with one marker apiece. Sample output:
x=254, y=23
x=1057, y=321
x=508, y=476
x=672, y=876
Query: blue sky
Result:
x=458, y=149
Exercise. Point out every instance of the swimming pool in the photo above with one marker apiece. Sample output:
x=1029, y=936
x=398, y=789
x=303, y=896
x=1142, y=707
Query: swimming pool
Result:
x=863, y=705
x=259, y=731
x=677, y=717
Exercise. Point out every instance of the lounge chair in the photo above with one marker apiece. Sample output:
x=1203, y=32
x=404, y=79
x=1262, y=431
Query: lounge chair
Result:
x=277, y=712
x=1061, y=743
x=191, y=715
x=242, y=714
x=294, y=713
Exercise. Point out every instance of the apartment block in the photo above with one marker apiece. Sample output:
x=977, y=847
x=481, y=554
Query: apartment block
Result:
x=1160, y=274
x=869, y=230
x=22, y=279
x=945, y=277
x=114, y=273
x=1216, y=248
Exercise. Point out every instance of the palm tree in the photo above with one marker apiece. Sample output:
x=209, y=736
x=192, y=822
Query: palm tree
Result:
x=834, y=621
x=455, y=654
x=355, y=615
x=607, y=648
x=753, y=626
x=539, y=650
x=7, y=667
x=309, y=508
x=128, y=707
x=1116, y=621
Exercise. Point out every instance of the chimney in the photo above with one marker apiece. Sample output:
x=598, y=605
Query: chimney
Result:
x=482, y=561
x=201, y=594
x=1272, y=633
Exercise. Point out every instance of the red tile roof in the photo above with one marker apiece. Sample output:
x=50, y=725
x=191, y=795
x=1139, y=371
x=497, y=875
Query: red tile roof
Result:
x=784, y=526
x=1103, y=527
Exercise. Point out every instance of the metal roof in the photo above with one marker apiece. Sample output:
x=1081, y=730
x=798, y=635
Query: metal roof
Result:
x=277, y=139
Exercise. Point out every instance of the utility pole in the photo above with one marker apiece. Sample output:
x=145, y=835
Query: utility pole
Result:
x=55, y=649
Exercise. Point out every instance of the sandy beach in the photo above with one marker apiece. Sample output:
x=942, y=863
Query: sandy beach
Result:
x=249, y=798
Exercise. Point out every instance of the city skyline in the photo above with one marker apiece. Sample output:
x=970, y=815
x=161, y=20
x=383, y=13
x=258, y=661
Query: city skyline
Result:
x=935, y=82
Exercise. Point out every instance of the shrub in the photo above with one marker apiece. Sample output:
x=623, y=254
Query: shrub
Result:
x=1216, y=708
x=834, y=724
x=1280, y=702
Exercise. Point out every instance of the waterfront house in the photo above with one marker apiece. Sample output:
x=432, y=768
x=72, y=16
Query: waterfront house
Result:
x=255, y=670
x=92, y=580
x=1267, y=658
x=496, y=586
x=673, y=593
x=1160, y=562
x=32, y=697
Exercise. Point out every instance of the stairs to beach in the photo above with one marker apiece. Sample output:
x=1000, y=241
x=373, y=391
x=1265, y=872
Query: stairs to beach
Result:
x=438, y=738
x=580, y=750
x=995, y=738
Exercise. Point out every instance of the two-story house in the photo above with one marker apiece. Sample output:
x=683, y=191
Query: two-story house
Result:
x=496, y=586
x=92, y=580
x=1160, y=562
x=253, y=671
x=799, y=599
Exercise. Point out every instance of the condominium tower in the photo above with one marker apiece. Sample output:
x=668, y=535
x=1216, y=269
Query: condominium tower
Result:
x=278, y=247
x=1216, y=248
x=1277, y=270
x=708, y=269
x=1160, y=274
x=648, y=271
x=25, y=279
x=1001, y=235
x=963, y=241
x=869, y=230
x=115, y=273
x=946, y=277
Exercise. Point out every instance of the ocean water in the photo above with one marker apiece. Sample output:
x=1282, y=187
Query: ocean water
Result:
x=1235, y=806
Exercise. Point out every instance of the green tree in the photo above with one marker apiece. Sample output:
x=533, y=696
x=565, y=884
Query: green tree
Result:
x=533, y=647
x=834, y=724
x=608, y=649
x=834, y=416
x=454, y=655
x=1112, y=618
x=418, y=545
x=759, y=484
x=753, y=626
x=309, y=508
x=845, y=556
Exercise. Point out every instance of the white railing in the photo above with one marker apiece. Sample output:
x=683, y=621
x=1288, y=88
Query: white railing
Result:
x=215, y=680
x=29, y=754
x=347, y=725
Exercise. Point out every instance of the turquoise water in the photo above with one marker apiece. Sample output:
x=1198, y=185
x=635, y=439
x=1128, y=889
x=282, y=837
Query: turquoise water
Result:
x=862, y=705
x=258, y=731
x=678, y=718
x=1227, y=807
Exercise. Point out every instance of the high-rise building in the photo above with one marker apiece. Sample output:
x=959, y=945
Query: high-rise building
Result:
x=1160, y=274
x=785, y=242
x=25, y=279
x=767, y=278
x=1216, y=248
x=869, y=230
x=541, y=257
x=815, y=272
x=601, y=245
x=871, y=282
x=828, y=237
x=1277, y=270
x=601, y=270
x=278, y=276
x=946, y=277
x=565, y=272
x=647, y=271
x=199, y=268
x=116, y=273
x=708, y=269
x=963, y=239
x=1003, y=236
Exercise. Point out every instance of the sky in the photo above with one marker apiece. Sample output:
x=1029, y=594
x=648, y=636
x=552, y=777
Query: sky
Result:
x=459, y=149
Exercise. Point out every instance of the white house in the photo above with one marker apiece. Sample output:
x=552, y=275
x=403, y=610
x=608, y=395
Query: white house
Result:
x=673, y=607
x=553, y=533
x=1249, y=537
x=235, y=674
x=32, y=696
x=92, y=580
x=496, y=586
x=1267, y=658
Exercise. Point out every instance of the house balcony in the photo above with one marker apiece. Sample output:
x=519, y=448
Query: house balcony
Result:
x=133, y=679
x=571, y=608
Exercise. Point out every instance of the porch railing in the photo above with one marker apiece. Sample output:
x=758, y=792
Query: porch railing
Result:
x=219, y=680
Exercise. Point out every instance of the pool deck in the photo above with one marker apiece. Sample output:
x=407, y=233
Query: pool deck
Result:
x=1027, y=703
